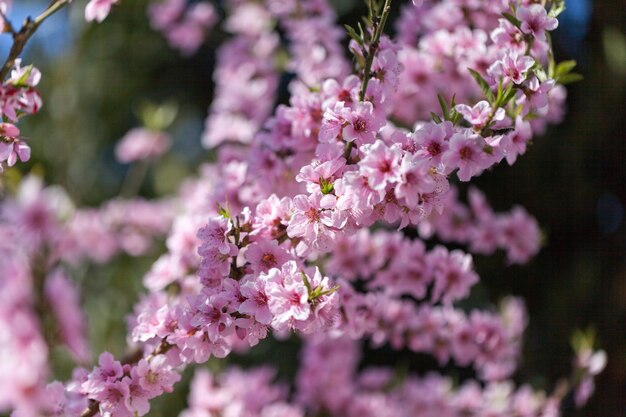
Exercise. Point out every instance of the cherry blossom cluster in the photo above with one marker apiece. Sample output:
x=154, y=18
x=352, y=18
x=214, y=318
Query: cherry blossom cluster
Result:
x=246, y=77
x=483, y=230
x=329, y=382
x=18, y=97
x=184, y=26
x=342, y=390
x=291, y=231
x=503, y=45
x=43, y=238
x=239, y=392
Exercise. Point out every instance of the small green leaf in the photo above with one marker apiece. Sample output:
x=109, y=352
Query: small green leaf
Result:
x=435, y=118
x=558, y=7
x=157, y=117
x=570, y=78
x=455, y=116
x=307, y=284
x=482, y=83
x=224, y=211
x=564, y=67
x=514, y=20
x=508, y=95
x=361, y=31
x=22, y=81
x=444, y=107
x=327, y=292
x=326, y=186
x=352, y=33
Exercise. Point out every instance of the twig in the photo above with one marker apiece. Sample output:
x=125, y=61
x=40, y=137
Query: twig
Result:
x=8, y=27
x=378, y=26
x=29, y=27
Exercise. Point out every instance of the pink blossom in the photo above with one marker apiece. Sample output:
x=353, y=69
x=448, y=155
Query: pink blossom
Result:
x=63, y=297
x=141, y=144
x=511, y=68
x=346, y=92
x=466, y=153
x=479, y=115
x=381, y=164
x=256, y=300
x=415, y=179
x=535, y=20
x=508, y=36
x=113, y=397
x=321, y=172
x=363, y=123
x=24, y=76
x=453, y=274
x=213, y=316
x=315, y=220
x=12, y=148
x=108, y=371
x=98, y=10
x=432, y=140
x=537, y=93
x=265, y=255
x=333, y=122
x=517, y=141
x=288, y=296
x=156, y=376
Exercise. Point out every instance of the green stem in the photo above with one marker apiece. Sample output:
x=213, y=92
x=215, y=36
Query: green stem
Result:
x=379, y=26
x=134, y=179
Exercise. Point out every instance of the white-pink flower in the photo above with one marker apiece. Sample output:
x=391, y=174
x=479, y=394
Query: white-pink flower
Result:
x=535, y=20
x=98, y=10
x=288, y=296
x=479, y=115
x=141, y=144
x=381, y=164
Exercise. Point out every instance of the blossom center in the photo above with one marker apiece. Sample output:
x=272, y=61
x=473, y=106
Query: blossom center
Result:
x=360, y=125
x=465, y=153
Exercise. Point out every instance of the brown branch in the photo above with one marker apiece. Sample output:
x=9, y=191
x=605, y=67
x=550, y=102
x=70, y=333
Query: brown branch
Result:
x=21, y=37
x=8, y=27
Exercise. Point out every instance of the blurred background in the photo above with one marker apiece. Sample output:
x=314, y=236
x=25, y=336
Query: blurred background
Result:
x=571, y=180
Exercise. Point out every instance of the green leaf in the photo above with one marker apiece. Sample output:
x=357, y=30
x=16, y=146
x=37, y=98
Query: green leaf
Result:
x=307, y=284
x=361, y=31
x=455, y=116
x=435, y=118
x=507, y=96
x=444, y=107
x=22, y=81
x=558, y=7
x=224, y=211
x=570, y=78
x=352, y=33
x=326, y=186
x=157, y=117
x=564, y=67
x=329, y=291
x=482, y=83
x=514, y=20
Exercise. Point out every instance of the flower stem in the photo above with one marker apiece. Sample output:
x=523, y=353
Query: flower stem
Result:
x=379, y=23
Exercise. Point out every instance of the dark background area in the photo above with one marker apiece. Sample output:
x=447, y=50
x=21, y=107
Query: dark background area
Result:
x=571, y=180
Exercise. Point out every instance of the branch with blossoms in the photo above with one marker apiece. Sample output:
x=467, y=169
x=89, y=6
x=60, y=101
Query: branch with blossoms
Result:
x=277, y=236
x=18, y=96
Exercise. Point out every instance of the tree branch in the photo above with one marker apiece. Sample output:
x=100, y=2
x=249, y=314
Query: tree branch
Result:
x=20, y=38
